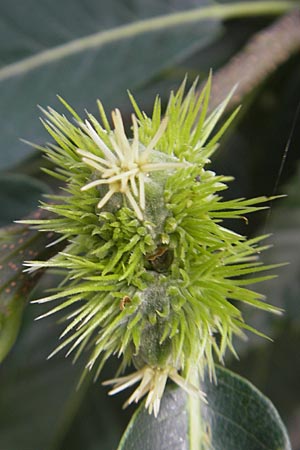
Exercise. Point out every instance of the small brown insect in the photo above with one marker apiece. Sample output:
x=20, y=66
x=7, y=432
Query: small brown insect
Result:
x=161, y=259
x=124, y=301
x=159, y=252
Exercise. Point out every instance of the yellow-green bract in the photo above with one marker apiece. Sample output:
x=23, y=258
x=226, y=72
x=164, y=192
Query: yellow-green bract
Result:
x=152, y=274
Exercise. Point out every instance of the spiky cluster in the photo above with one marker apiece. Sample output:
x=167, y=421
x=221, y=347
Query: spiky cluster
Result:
x=153, y=275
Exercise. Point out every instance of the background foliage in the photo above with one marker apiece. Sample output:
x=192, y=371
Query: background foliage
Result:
x=36, y=394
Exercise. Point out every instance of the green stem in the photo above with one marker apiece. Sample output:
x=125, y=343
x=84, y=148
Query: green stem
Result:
x=101, y=38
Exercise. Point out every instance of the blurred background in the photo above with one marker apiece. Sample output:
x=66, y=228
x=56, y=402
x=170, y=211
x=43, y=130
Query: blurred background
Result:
x=44, y=51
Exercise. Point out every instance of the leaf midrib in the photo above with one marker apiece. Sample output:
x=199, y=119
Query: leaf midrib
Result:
x=166, y=21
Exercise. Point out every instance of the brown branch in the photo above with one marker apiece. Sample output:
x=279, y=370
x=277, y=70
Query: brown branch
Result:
x=260, y=57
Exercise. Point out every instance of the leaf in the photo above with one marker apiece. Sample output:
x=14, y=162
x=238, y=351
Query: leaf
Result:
x=237, y=417
x=100, y=51
x=18, y=244
x=19, y=195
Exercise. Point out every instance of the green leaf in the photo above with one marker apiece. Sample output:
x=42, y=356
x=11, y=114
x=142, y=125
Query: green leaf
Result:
x=237, y=417
x=83, y=51
x=18, y=243
x=102, y=49
x=19, y=194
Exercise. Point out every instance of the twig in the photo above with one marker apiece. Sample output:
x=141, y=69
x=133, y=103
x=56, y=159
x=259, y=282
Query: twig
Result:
x=261, y=56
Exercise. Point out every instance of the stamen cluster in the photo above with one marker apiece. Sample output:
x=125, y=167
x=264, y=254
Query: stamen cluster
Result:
x=125, y=169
